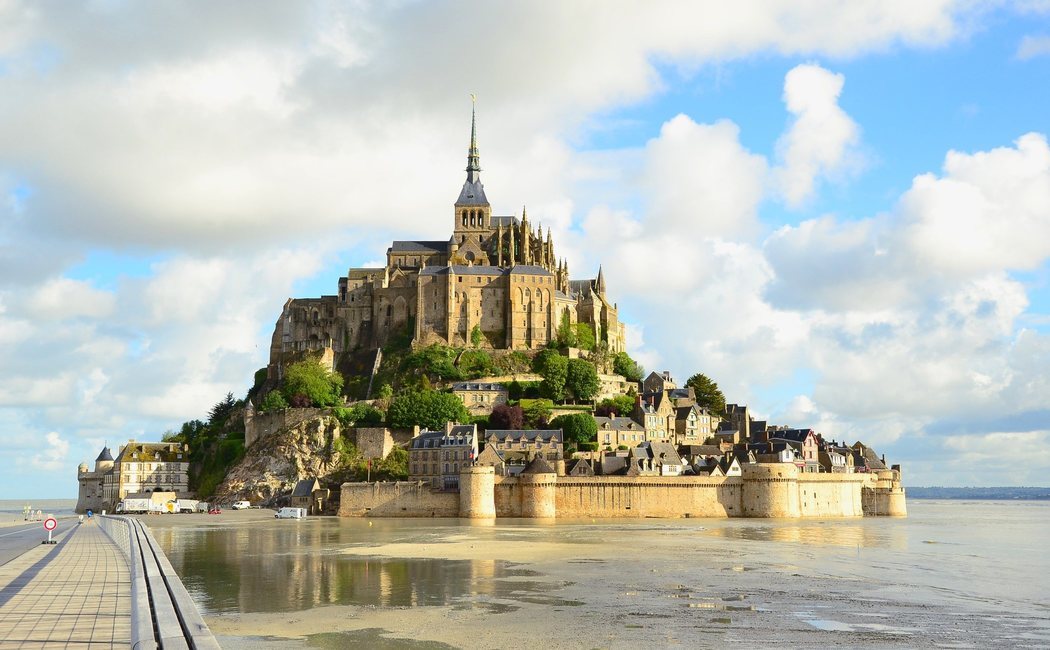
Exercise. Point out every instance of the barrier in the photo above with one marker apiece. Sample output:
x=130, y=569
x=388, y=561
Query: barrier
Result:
x=162, y=613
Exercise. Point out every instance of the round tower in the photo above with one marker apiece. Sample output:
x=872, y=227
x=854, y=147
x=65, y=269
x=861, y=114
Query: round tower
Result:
x=537, y=483
x=770, y=490
x=104, y=462
x=477, y=492
x=82, y=468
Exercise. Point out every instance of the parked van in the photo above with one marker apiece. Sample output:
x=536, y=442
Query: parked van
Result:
x=241, y=505
x=290, y=513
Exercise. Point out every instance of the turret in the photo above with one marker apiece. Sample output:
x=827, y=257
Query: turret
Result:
x=104, y=461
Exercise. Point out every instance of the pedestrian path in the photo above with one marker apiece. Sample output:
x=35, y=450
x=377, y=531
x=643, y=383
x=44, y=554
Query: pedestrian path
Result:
x=76, y=593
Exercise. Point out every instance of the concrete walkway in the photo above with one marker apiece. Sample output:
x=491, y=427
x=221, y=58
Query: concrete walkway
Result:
x=76, y=593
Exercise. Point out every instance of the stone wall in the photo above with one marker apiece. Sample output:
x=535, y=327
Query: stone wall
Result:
x=764, y=490
x=376, y=442
x=399, y=499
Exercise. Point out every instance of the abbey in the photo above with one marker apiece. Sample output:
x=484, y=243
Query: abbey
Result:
x=496, y=277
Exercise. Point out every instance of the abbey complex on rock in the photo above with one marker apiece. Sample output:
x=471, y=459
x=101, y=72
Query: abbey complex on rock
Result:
x=497, y=289
x=495, y=275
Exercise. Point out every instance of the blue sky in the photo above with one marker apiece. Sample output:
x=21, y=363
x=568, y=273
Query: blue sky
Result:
x=839, y=212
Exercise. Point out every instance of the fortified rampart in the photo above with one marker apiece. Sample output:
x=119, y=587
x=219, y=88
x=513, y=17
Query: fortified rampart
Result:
x=763, y=490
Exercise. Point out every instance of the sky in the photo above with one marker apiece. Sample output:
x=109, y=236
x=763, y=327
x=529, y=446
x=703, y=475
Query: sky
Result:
x=838, y=211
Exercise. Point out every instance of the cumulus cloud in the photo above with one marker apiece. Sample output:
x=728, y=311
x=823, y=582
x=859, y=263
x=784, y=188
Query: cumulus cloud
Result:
x=821, y=139
x=54, y=455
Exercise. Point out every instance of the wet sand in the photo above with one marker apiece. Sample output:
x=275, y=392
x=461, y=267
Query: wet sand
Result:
x=603, y=584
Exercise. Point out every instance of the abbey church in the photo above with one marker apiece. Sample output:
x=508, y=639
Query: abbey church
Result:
x=495, y=275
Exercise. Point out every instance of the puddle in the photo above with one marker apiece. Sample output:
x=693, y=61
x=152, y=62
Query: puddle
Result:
x=371, y=638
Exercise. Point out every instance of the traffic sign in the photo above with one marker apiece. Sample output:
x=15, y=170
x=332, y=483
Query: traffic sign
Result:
x=49, y=525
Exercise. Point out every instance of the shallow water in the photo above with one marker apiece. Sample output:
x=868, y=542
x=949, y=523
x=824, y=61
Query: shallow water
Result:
x=953, y=574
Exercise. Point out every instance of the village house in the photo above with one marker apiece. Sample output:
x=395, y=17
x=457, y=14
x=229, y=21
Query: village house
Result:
x=805, y=443
x=309, y=494
x=480, y=398
x=663, y=458
x=693, y=425
x=616, y=432
x=511, y=450
x=656, y=413
x=436, y=457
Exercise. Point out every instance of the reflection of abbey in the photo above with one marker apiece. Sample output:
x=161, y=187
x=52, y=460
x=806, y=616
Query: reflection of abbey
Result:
x=495, y=274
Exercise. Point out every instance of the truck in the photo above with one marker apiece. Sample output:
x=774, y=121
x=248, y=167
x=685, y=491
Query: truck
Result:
x=133, y=506
x=290, y=513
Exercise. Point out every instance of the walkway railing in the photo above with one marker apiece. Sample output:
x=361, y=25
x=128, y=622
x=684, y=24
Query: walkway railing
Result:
x=162, y=613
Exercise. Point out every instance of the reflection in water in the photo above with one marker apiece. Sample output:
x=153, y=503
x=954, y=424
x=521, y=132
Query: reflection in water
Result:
x=279, y=568
x=371, y=638
x=822, y=532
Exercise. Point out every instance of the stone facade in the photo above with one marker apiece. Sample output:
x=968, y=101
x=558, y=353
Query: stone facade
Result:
x=140, y=467
x=496, y=275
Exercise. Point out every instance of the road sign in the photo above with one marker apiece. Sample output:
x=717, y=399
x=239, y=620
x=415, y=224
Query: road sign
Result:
x=49, y=525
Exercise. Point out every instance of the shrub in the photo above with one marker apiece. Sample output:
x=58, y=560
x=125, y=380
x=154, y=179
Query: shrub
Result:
x=577, y=427
x=314, y=382
x=274, y=401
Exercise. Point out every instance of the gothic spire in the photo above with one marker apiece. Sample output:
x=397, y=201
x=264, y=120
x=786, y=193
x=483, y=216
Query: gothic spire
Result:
x=473, y=192
x=473, y=159
x=599, y=284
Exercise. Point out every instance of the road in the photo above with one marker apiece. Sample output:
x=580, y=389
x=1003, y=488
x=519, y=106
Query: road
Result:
x=16, y=540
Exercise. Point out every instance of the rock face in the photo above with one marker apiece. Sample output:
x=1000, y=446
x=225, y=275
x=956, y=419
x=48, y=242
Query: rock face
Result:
x=273, y=464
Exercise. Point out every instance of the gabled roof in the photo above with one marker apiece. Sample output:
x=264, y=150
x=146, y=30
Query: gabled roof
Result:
x=305, y=487
x=579, y=467
x=529, y=269
x=528, y=434
x=795, y=435
x=467, y=385
x=417, y=247
x=617, y=424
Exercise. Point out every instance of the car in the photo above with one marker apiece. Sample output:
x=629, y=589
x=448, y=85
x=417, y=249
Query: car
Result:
x=215, y=511
x=241, y=505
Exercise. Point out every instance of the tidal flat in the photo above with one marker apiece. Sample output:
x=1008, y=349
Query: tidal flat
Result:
x=953, y=574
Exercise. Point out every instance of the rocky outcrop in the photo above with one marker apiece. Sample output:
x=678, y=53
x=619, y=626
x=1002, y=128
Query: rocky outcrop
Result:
x=273, y=464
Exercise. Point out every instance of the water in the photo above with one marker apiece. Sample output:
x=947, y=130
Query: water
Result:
x=953, y=574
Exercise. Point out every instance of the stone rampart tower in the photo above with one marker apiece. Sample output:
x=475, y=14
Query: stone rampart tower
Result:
x=770, y=490
x=477, y=499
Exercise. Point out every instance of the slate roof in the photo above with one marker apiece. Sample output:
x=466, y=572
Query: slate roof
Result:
x=700, y=450
x=305, y=487
x=149, y=451
x=617, y=424
x=793, y=435
x=473, y=193
x=419, y=246
x=503, y=221
x=539, y=466
x=104, y=455
x=529, y=434
x=576, y=287
x=529, y=269
x=579, y=467
x=663, y=452
x=463, y=269
x=466, y=385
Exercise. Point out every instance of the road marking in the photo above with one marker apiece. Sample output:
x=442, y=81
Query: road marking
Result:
x=20, y=531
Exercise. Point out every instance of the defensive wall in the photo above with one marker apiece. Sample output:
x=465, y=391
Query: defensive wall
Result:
x=763, y=490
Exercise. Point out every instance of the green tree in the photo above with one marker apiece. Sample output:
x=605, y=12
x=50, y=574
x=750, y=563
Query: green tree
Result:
x=309, y=379
x=621, y=405
x=360, y=415
x=707, y=393
x=624, y=365
x=581, y=379
x=437, y=362
x=585, y=336
x=576, y=427
x=428, y=409
x=475, y=336
x=475, y=363
x=221, y=411
x=537, y=412
x=566, y=334
x=554, y=369
x=274, y=401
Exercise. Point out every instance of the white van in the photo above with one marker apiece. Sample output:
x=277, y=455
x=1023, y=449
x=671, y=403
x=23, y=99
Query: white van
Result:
x=241, y=505
x=290, y=513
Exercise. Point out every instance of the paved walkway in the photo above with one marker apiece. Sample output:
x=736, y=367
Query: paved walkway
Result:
x=76, y=593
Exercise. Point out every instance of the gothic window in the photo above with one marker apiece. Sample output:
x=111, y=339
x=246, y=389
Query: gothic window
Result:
x=471, y=218
x=464, y=217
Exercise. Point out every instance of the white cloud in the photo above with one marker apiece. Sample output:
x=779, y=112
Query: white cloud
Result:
x=54, y=455
x=1031, y=47
x=822, y=138
x=62, y=298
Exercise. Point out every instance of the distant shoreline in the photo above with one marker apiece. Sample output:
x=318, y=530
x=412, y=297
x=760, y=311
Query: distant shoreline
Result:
x=981, y=493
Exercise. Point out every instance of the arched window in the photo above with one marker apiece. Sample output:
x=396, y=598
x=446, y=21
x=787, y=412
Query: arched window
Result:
x=472, y=217
x=446, y=468
x=464, y=217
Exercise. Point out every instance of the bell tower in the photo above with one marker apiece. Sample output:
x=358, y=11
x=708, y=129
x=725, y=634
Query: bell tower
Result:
x=473, y=214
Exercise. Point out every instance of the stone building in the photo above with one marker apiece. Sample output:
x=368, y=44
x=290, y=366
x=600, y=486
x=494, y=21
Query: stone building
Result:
x=436, y=457
x=480, y=398
x=139, y=467
x=496, y=276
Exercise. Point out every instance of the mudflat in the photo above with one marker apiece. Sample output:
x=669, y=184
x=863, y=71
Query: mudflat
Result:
x=328, y=582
